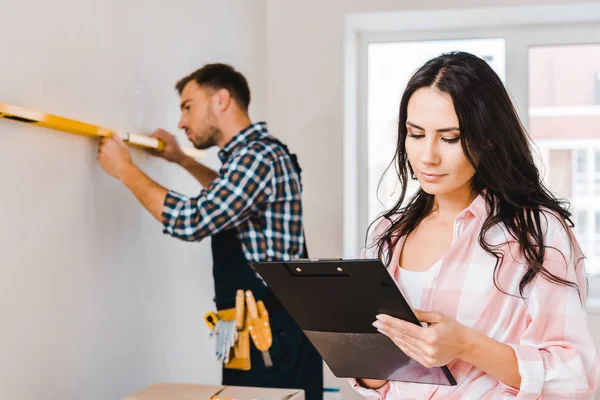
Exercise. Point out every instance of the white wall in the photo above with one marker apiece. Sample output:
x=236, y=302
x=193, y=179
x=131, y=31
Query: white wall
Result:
x=305, y=45
x=95, y=301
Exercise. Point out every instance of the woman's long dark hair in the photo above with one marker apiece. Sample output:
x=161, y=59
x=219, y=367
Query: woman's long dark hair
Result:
x=505, y=173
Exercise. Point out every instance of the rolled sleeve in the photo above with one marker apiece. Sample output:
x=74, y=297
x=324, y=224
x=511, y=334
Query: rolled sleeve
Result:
x=532, y=371
x=553, y=371
x=556, y=354
x=174, y=203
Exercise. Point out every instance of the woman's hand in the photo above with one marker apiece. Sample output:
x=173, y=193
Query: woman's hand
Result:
x=371, y=383
x=442, y=341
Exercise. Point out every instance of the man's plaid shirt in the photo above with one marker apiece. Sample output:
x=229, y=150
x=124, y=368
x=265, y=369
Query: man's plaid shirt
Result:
x=258, y=191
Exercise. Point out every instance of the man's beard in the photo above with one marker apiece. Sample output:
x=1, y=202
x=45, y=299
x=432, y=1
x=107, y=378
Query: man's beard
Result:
x=211, y=139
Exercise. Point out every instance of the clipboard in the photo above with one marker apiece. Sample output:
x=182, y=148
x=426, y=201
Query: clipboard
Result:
x=335, y=302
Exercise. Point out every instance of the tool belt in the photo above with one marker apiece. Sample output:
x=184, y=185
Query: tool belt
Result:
x=235, y=327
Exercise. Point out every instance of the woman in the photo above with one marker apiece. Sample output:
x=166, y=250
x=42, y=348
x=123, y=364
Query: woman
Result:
x=483, y=246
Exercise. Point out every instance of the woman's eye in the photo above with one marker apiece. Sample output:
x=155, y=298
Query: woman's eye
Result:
x=453, y=140
x=415, y=135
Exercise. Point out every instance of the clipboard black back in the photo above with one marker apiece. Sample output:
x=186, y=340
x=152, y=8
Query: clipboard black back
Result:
x=335, y=303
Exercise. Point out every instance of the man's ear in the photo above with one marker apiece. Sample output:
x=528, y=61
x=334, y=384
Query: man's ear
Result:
x=223, y=99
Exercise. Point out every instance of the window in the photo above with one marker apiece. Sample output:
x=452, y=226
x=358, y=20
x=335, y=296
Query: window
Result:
x=597, y=88
x=580, y=172
x=597, y=174
x=581, y=156
x=581, y=221
x=563, y=117
x=596, y=244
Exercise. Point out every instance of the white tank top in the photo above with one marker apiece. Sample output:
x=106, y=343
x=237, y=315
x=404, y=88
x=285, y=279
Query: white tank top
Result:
x=413, y=283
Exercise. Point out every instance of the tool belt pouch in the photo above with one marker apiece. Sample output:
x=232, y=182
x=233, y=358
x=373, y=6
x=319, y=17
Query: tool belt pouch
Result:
x=240, y=353
x=260, y=329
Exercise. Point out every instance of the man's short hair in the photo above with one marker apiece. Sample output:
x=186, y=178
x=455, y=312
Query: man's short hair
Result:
x=220, y=76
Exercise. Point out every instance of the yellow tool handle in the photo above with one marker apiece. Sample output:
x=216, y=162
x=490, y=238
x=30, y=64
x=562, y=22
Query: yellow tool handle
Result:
x=239, y=310
x=251, y=302
x=45, y=120
x=259, y=329
x=262, y=310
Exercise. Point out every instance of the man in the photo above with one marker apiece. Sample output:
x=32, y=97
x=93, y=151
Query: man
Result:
x=251, y=208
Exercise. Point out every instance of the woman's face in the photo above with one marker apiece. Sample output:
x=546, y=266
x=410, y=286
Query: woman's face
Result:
x=433, y=144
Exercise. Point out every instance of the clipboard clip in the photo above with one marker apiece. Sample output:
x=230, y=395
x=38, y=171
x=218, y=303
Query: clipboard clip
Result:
x=308, y=269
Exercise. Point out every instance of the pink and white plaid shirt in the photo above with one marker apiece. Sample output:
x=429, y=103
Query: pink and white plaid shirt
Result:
x=548, y=329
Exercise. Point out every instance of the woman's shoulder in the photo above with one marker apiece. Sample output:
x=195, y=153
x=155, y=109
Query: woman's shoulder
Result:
x=554, y=227
x=551, y=224
x=558, y=237
x=563, y=255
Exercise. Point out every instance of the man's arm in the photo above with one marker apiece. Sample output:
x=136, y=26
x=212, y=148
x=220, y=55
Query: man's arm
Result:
x=201, y=172
x=115, y=159
x=173, y=153
x=148, y=192
x=226, y=202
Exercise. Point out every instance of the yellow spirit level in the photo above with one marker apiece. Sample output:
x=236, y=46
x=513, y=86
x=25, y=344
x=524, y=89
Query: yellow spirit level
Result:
x=50, y=121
